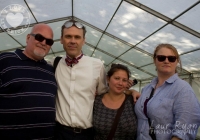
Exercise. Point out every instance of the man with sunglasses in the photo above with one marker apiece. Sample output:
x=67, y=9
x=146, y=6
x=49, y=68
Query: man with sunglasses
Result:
x=27, y=89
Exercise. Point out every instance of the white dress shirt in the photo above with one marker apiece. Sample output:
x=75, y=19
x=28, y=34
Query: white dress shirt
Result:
x=77, y=86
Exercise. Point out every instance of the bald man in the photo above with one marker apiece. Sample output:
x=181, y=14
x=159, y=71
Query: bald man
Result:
x=28, y=89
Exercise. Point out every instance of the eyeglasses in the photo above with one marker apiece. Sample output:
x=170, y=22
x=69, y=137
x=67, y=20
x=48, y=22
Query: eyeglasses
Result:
x=69, y=24
x=162, y=58
x=41, y=38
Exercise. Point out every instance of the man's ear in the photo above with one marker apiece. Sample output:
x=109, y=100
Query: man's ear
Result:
x=83, y=41
x=61, y=40
x=27, y=38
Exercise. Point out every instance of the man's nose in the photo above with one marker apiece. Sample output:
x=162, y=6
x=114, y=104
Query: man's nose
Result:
x=44, y=42
x=72, y=39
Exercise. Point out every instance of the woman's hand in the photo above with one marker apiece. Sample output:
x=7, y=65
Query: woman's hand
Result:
x=130, y=84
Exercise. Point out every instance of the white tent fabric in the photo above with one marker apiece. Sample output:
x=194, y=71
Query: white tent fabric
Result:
x=120, y=31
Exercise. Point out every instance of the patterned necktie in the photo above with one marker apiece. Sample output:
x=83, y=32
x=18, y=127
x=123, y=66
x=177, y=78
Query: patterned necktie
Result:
x=70, y=61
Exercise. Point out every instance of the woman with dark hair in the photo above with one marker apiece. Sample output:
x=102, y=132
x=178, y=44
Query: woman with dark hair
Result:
x=107, y=106
x=167, y=108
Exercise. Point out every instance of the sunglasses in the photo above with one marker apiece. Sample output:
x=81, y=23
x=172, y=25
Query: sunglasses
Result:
x=162, y=58
x=41, y=38
x=69, y=24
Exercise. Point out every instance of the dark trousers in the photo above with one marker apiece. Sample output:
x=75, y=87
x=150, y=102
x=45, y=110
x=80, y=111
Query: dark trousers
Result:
x=68, y=133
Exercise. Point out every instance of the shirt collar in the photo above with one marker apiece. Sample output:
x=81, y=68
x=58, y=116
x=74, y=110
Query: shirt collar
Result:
x=22, y=56
x=169, y=80
x=75, y=57
x=172, y=78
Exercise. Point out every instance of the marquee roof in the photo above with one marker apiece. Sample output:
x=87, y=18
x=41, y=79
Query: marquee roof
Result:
x=119, y=31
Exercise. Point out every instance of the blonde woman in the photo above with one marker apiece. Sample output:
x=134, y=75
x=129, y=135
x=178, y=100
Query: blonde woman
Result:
x=167, y=108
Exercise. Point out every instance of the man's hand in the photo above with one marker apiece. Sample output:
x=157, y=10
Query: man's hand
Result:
x=134, y=93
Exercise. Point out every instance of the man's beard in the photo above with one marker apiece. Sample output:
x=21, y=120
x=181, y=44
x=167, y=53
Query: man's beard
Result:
x=41, y=54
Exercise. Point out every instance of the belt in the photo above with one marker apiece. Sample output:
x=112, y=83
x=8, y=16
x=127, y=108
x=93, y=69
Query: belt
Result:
x=75, y=129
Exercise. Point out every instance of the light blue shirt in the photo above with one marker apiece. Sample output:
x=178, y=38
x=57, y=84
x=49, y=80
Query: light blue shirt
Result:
x=174, y=110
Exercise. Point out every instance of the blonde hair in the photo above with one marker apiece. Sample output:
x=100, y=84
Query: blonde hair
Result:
x=171, y=47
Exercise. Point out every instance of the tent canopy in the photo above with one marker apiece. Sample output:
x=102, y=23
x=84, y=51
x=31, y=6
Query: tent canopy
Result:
x=119, y=31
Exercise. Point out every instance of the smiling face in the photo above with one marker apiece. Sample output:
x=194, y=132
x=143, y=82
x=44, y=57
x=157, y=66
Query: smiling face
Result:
x=165, y=67
x=72, y=40
x=37, y=50
x=118, y=81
